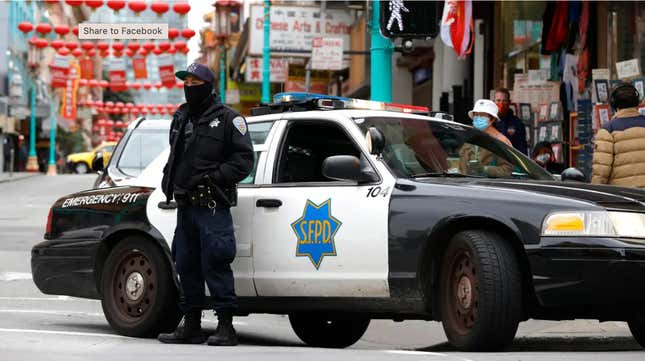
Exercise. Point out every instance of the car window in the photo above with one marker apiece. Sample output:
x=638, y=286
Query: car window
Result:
x=416, y=147
x=142, y=147
x=108, y=148
x=259, y=132
x=250, y=179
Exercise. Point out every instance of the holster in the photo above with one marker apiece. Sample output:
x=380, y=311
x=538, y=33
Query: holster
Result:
x=210, y=195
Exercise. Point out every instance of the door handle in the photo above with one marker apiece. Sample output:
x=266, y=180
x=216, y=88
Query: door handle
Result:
x=169, y=205
x=268, y=203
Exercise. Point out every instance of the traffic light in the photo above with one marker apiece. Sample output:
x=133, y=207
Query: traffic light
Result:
x=410, y=19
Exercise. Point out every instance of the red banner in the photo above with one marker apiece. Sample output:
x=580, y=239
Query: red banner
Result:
x=166, y=70
x=59, y=71
x=87, y=68
x=139, y=66
x=117, y=75
x=68, y=106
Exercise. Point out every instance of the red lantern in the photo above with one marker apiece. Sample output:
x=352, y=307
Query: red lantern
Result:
x=74, y=2
x=171, y=50
x=97, y=103
x=75, y=30
x=52, y=2
x=129, y=53
x=71, y=45
x=173, y=33
x=147, y=85
x=63, y=51
x=105, y=53
x=91, y=52
x=135, y=86
x=119, y=124
x=181, y=8
x=137, y=6
x=57, y=44
x=40, y=43
x=157, y=51
x=44, y=28
x=94, y=4
x=142, y=52
x=109, y=123
x=118, y=46
x=93, y=83
x=117, y=54
x=179, y=84
x=116, y=5
x=104, y=84
x=77, y=53
x=170, y=107
x=185, y=50
x=129, y=105
x=87, y=45
x=158, y=85
x=188, y=33
x=164, y=45
x=119, y=104
x=133, y=45
x=149, y=46
x=101, y=45
x=25, y=26
x=62, y=30
x=180, y=45
x=83, y=82
x=109, y=104
x=159, y=7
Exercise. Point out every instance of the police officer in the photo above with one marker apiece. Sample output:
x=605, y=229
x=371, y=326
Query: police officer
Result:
x=210, y=152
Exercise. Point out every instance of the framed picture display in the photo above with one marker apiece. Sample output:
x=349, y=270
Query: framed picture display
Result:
x=542, y=134
x=555, y=112
x=555, y=134
x=544, y=112
x=602, y=113
x=525, y=112
x=557, y=152
x=639, y=84
x=602, y=90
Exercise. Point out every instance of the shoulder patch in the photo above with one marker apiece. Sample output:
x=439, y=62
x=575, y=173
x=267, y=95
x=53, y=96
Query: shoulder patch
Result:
x=240, y=124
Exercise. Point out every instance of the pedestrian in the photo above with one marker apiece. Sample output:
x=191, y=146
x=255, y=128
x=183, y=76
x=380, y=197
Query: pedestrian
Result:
x=544, y=156
x=22, y=154
x=619, y=150
x=210, y=152
x=479, y=161
x=509, y=124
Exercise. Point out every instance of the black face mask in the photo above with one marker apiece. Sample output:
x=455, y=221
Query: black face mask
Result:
x=196, y=94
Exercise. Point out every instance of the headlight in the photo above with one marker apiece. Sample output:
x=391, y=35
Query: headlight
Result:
x=595, y=224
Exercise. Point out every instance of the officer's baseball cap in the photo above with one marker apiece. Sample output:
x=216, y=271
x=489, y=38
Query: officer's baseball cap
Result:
x=197, y=70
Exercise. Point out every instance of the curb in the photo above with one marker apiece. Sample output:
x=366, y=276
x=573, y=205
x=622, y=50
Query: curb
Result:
x=8, y=179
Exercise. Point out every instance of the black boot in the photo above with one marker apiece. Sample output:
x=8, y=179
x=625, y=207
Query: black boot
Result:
x=189, y=330
x=225, y=334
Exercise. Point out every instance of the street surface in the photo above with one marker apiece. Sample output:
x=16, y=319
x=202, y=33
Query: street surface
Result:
x=34, y=326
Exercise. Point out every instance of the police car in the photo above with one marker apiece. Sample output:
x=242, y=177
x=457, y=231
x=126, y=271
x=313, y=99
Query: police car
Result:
x=361, y=210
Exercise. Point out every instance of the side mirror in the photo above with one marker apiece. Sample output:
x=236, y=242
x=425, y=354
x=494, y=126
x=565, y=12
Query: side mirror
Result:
x=375, y=140
x=347, y=167
x=573, y=174
x=97, y=163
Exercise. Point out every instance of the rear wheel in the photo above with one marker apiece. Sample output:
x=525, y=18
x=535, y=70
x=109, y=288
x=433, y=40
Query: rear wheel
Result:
x=481, y=293
x=637, y=327
x=81, y=168
x=333, y=331
x=139, y=296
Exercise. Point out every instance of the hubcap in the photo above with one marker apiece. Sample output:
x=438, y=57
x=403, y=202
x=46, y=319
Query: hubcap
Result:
x=464, y=292
x=134, y=286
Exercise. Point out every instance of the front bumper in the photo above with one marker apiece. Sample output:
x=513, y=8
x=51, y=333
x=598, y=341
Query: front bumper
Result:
x=65, y=268
x=588, y=272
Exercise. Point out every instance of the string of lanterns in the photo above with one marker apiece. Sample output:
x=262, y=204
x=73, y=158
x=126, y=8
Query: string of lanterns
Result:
x=159, y=7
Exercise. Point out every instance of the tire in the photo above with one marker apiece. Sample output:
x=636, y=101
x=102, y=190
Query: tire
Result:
x=481, y=292
x=81, y=168
x=637, y=327
x=148, y=310
x=330, y=331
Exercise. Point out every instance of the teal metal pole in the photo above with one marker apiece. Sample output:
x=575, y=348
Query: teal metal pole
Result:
x=381, y=60
x=266, y=54
x=222, y=75
x=52, y=134
x=32, y=121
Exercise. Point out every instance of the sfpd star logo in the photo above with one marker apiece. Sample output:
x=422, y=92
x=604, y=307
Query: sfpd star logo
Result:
x=315, y=230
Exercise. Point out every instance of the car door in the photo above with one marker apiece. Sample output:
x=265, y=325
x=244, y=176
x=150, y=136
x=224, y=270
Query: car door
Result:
x=165, y=220
x=315, y=237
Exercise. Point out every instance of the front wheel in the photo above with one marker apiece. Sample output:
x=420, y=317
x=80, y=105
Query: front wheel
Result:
x=481, y=293
x=332, y=331
x=81, y=168
x=139, y=296
x=637, y=327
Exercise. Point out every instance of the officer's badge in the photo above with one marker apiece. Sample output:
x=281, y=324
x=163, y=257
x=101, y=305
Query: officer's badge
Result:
x=214, y=123
x=240, y=124
x=315, y=231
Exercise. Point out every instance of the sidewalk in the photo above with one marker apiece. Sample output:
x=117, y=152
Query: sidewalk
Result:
x=4, y=176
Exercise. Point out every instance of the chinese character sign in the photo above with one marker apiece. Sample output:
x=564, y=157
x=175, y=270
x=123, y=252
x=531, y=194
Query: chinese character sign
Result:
x=327, y=53
x=59, y=71
x=117, y=74
x=278, y=70
x=139, y=67
x=166, y=70
x=68, y=106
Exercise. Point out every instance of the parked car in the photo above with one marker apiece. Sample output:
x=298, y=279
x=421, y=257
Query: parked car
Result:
x=144, y=140
x=352, y=215
x=81, y=163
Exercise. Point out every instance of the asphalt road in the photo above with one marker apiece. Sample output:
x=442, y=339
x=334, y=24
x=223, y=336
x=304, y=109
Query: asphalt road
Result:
x=34, y=326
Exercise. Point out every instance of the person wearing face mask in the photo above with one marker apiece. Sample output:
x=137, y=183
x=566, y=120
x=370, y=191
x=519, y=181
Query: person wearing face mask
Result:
x=210, y=152
x=544, y=156
x=509, y=124
x=479, y=161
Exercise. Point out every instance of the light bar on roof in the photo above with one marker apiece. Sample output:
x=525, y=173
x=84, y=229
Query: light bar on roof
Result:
x=323, y=101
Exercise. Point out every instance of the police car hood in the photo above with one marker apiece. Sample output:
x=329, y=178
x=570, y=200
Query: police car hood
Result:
x=607, y=196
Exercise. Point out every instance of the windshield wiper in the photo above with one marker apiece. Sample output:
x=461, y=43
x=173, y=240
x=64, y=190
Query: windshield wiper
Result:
x=444, y=174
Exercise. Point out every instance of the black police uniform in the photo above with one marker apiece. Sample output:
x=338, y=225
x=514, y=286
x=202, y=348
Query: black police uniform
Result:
x=211, y=151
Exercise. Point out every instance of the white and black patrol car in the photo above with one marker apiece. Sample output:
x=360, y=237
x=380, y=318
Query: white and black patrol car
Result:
x=351, y=215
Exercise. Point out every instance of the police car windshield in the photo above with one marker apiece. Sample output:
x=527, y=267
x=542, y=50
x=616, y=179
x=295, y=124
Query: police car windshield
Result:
x=142, y=147
x=416, y=147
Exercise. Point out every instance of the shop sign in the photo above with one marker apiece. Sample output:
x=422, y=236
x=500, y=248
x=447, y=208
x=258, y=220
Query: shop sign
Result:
x=15, y=86
x=327, y=53
x=318, y=81
x=87, y=68
x=250, y=92
x=59, y=71
x=139, y=66
x=68, y=106
x=278, y=70
x=539, y=76
x=117, y=74
x=166, y=70
x=294, y=27
x=628, y=69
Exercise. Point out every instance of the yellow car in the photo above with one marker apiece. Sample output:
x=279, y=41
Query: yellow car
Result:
x=81, y=163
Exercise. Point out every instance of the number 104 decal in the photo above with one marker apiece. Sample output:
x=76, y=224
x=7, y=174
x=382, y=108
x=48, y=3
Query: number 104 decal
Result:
x=377, y=191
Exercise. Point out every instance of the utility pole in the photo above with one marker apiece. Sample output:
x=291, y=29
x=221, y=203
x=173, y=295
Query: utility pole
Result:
x=381, y=60
x=32, y=161
x=51, y=169
x=222, y=74
x=266, y=55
